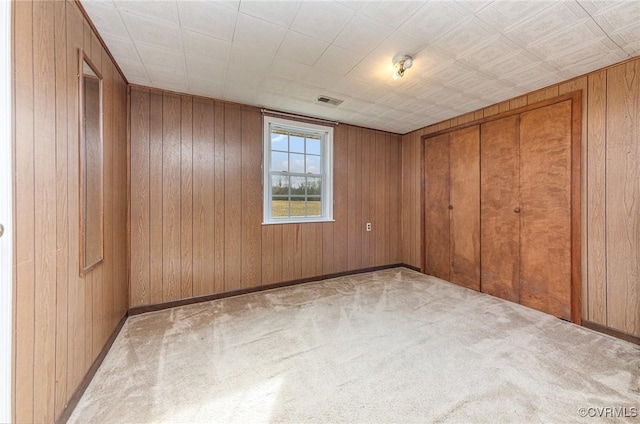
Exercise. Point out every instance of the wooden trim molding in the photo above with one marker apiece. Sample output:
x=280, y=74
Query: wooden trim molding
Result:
x=104, y=45
x=611, y=332
x=82, y=387
x=199, y=299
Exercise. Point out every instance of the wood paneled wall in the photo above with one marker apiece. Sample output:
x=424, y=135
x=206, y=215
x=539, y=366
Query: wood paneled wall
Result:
x=610, y=189
x=62, y=321
x=196, y=202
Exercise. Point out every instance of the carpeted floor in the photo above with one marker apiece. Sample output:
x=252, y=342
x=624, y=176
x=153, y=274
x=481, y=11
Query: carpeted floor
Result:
x=389, y=346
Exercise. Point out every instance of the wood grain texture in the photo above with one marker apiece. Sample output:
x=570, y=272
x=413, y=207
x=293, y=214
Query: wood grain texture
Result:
x=581, y=84
x=596, y=201
x=437, y=201
x=595, y=224
x=60, y=317
x=24, y=225
x=545, y=196
x=62, y=217
x=171, y=218
x=204, y=241
x=500, y=235
x=464, y=165
x=217, y=167
x=233, y=198
x=140, y=234
x=155, y=197
x=77, y=314
x=186, y=197
x=623, y=197
x=251, y=125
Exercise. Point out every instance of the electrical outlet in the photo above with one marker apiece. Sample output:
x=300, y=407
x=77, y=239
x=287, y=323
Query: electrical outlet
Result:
x=368, y=226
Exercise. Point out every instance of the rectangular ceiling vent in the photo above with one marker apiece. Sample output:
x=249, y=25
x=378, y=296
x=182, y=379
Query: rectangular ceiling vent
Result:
x=329, y=100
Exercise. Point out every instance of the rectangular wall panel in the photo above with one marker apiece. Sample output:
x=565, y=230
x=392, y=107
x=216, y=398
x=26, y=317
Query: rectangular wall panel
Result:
x=437, y=232
x=545, y=197
x=623, y=197
x=500, y=247
x=464, y=160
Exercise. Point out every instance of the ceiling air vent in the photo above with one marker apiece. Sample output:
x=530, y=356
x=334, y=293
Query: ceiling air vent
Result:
x=329, y=100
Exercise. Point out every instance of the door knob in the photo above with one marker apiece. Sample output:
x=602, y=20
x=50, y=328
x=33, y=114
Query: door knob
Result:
x=1, y=230
x=517, y=210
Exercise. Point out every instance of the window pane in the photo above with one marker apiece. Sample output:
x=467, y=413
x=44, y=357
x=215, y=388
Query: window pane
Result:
x=279, y=142
x=279, y=207
x=279, y=185
x=314, y=186
x=313, y=146
x=296, y=163
x=298, y=206
x=279, y=162
x=313, y=164
x=298, y=185
x=297, y=143
x=314, y=206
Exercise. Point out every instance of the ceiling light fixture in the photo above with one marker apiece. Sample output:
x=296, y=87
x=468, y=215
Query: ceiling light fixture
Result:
x=401, y=62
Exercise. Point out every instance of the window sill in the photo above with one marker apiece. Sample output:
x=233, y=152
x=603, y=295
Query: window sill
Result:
x=306, y=221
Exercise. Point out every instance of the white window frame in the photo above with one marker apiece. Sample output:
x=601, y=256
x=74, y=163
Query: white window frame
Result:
x=326, y=133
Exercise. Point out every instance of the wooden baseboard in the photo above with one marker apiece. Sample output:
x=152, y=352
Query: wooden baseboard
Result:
x=73, y=402
x=166, y=305
x=610, y=331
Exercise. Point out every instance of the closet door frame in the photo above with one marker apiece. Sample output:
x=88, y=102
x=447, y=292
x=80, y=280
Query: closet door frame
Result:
x=576, y=174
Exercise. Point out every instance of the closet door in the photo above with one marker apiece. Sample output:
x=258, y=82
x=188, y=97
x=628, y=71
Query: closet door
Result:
x=545, y=217
x=500, y=203
x=436, y=168
x=464, y=165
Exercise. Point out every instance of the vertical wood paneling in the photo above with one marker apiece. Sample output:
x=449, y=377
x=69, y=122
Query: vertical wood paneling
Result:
x=25, y=220
x=108, y=202
x=210, y=173
x=62, y=224
x=44, y=107
x=155, y=197
x=219, y=197
x=581, y=84
x=251, y=195
x=77, y=287
x=171, y=217
x=365, y=189
x=596, y=200
x=340, y=198
x=267, y=254
x=62, y=319
x=186, y=197
x=623, y=197
x=598, y=141
x=351, y=182
x=233, y=197
x=140, y=230
x=203, y=197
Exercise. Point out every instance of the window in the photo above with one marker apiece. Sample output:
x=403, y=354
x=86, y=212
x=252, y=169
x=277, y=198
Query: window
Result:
x=298, y=171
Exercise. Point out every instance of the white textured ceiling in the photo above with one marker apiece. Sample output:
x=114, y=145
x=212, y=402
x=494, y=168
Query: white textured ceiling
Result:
x=284, y=54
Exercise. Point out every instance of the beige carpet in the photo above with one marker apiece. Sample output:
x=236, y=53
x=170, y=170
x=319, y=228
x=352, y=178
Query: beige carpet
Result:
x=390, y=346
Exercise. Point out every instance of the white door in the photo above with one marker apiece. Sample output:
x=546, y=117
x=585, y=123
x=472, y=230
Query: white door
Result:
x=6, y=206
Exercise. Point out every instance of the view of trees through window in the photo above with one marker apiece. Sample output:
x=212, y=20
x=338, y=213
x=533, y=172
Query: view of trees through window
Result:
x=296, y=178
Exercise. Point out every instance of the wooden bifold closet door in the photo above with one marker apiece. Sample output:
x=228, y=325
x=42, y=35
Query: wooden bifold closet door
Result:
x=502, y=205
x=452, y=217
x=526, y=208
